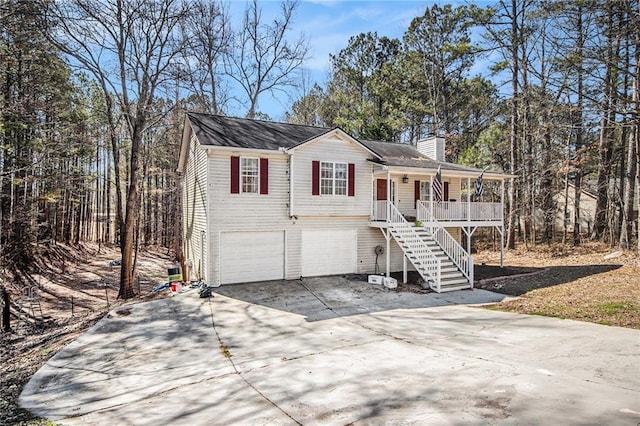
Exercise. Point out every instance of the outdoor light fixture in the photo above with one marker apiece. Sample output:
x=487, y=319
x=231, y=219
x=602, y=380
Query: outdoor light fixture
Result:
x=405, y=179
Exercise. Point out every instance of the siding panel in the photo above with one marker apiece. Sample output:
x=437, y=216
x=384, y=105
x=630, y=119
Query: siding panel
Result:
x=194, y=209
x=332, y=150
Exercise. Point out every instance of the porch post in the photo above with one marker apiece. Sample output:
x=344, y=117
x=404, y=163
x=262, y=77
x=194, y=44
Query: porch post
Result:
x=468, y=199
x=388, y=252
x=404, y=269
x=431, y=197
x=373, y=195
x=502, y=223
x=389, y=201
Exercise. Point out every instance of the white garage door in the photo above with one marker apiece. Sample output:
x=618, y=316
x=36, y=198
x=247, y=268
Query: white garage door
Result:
x=329, y=252
x=251, y=256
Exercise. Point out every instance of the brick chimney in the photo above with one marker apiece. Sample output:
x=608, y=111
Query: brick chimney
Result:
x=432, y=147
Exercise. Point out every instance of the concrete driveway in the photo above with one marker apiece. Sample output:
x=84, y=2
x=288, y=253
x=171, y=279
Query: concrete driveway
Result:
x=333, y=351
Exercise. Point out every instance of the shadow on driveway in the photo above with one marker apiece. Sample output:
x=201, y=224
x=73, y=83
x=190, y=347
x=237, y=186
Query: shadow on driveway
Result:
x=323, y=298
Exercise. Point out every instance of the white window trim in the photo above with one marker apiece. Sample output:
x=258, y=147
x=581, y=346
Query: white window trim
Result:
x=428, y=186
x=242, y=191
x=333, y=179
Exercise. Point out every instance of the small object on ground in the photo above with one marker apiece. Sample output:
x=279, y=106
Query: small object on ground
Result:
x=175, y=274
x=176, y=287
x=205, y=292
x=390, y=282
x=613, y=255
x=116, y=262
x=196, y=284
x=376, y=279
x=160, y=287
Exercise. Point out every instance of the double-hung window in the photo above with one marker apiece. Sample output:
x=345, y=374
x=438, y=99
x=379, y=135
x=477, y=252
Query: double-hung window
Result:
x=425, y=190
x=333, y=178
x=249, y=175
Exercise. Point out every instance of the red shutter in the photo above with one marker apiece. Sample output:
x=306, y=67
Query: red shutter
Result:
x=416, y=192
x=264, y=175
x=315, y=178
x=445, y=195
x=235, y=175
x=381, y=189
x=352, y=179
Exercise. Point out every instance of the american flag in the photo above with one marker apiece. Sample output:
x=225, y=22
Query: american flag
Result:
x=479, y=186
x=437, y=187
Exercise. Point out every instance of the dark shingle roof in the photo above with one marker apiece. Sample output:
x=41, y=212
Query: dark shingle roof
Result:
x=218, y=130
x=403, y=155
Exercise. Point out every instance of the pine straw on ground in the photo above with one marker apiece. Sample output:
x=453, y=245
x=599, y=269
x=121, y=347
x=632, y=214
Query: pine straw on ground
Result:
x=572, y=283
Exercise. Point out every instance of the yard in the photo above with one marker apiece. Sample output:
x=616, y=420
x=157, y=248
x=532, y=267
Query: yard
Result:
x=590, y=283
x=574, y=283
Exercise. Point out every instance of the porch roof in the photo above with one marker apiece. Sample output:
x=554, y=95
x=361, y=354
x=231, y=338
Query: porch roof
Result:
x=402, y=156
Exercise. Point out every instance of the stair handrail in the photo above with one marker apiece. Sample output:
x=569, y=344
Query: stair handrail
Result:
x=452, y=248
x=428, y=260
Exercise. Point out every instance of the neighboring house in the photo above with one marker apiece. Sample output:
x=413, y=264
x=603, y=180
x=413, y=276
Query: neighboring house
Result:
x=267, y=201
x=588, y=200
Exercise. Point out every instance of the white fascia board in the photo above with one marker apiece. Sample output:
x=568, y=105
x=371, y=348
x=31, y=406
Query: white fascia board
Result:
x=243, y=151
x=448, y=173
x=184, y=145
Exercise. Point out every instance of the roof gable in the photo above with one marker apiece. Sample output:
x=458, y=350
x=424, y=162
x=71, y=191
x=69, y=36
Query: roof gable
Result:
x=337, y=133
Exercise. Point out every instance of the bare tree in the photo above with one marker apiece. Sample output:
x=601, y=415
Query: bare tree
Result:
x=127, y=46
x=263, y=59
x=208, y=35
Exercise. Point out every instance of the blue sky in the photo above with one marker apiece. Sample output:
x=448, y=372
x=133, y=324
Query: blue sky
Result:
x=327, y=25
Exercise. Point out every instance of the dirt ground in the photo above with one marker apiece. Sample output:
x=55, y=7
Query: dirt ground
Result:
x=79, y=278
x=592, y=283
x=576, y=283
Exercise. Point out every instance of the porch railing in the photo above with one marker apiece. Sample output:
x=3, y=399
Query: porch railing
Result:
x=380, y=210
x=448, y=211
x=419, y=253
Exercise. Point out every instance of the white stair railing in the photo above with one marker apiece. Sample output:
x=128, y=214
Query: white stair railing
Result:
x=426, y=263
x=458, y=255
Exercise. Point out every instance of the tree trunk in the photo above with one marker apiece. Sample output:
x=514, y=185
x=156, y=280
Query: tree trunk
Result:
x=511, y=224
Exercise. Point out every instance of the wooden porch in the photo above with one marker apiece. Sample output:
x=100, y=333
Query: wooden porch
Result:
x=449, y=213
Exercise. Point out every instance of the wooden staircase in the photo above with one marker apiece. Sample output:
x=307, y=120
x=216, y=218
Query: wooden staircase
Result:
x=451, y=278
x=429, y=258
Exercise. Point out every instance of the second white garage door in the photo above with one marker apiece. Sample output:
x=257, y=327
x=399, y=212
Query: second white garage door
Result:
x=251, y=256
x=329, y=252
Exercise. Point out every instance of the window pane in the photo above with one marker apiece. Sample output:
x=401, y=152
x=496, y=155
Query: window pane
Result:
x=425, y=189
x=249, y=175
x=326, y=178
x=341, y=179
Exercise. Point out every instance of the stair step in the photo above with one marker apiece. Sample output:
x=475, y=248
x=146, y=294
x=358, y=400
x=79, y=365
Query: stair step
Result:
x=445, y=289
x=454, y=281
x=443, y=263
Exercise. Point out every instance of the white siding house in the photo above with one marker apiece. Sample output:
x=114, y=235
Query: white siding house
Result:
x=268, y=201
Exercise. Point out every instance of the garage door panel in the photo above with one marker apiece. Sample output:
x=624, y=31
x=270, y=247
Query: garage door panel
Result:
x=328, y=252
x=252, y=256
